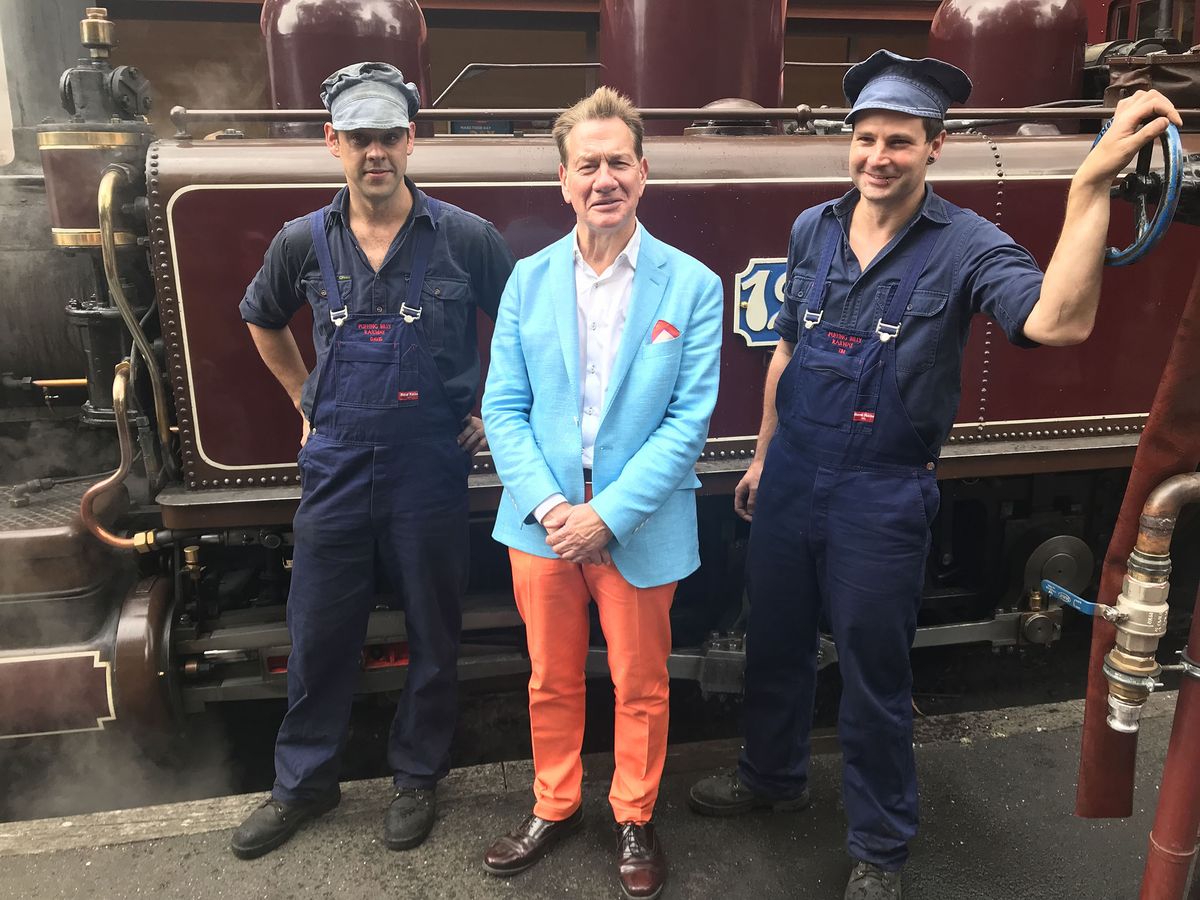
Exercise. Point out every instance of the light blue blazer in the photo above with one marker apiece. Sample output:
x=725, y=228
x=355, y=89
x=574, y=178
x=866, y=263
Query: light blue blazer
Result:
x=655, y=416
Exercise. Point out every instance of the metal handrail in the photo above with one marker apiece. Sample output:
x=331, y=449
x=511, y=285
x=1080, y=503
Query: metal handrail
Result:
x=182, y=116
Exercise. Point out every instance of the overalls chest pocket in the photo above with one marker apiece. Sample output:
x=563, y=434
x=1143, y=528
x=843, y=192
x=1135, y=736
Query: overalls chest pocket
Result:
x=367, y=376
x=314, y=292
x=825, y=384
x=920, y=329
x=445, y=305
x=797, y=291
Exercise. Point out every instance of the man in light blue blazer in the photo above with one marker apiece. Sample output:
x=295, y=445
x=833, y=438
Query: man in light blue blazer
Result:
x=602, y=380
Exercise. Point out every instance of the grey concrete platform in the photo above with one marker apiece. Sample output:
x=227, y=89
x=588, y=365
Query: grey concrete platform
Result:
x=997, y=789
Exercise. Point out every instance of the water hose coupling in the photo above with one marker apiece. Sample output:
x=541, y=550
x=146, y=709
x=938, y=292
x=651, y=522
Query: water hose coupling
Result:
x=1130, y=666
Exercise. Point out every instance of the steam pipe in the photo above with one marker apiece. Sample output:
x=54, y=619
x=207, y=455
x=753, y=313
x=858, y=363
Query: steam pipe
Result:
x=86, y=511
x=1166, y=15
x=108, y=184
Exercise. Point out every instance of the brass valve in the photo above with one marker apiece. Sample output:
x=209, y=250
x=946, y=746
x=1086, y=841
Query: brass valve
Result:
x=1130, y=666
x=96, y=32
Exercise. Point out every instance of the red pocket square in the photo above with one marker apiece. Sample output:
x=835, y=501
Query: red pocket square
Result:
x=663, y=331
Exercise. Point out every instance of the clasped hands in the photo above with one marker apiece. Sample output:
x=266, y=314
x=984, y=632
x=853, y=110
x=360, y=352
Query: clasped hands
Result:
x=577, y=534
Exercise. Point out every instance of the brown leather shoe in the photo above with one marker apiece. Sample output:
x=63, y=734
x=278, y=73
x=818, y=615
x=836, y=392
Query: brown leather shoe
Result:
x=641, y=863
x=527, y=843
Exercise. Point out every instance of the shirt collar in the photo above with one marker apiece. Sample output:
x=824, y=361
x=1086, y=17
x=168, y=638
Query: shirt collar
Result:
x=933, y=207
x=630, y=251
x=340, y=205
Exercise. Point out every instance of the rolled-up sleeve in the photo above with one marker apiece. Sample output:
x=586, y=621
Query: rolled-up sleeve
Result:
x=1002, y=278
x=273, y=295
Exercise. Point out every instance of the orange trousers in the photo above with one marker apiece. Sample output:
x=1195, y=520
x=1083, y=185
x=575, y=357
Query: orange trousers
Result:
x=552, y=596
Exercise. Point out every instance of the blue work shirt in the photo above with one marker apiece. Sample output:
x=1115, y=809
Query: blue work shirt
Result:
x=976, y=267
x=468, y=268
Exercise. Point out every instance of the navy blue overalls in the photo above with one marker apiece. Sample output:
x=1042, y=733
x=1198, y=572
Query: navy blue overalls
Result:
x=384, y=483
x=841, y=527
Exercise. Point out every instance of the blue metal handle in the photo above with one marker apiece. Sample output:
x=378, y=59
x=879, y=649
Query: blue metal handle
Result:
x=1151, y=232
x=1066, y=598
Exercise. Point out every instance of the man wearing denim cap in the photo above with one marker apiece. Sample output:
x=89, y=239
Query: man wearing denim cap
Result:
x=394, y=278
x=861, y=393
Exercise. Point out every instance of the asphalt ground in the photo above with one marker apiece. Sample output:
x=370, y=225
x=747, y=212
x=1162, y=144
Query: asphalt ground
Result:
x=997, y=792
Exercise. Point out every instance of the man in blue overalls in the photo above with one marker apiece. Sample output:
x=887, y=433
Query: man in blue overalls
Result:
x=860, y=395
x=393, y=278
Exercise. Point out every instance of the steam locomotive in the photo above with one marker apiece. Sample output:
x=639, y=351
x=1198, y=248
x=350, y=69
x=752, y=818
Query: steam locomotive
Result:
x=161, y=588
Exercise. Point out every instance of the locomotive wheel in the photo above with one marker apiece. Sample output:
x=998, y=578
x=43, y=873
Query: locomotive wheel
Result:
x=146, y=685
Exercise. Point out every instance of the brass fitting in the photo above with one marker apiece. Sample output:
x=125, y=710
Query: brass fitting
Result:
x=96, y=32
x=1130, y=667
x=191, y=556
x=144, y=542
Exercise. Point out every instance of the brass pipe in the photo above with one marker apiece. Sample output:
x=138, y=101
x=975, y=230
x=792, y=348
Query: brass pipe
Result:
x=105, y=195
x=60, y=382
x=86, y=512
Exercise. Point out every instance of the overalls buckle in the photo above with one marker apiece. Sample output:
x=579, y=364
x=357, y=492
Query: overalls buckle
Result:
x=886, y=332
x=410, y=315
x=339, y=316
x=812, y=318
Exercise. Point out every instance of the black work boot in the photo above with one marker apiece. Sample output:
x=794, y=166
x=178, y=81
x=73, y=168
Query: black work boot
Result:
x=410, y=818
x=869, y=882
x=726, y=795
x=275, y=821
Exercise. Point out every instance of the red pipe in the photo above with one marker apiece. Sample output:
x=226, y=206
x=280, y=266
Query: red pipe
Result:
x=1170, y=445
x=1173, y=838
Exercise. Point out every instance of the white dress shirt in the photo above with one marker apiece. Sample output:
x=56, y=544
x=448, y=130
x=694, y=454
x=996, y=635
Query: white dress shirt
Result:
x=601, y=305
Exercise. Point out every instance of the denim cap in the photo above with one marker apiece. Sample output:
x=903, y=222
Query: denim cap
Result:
x=919, y=87
x=369, y=95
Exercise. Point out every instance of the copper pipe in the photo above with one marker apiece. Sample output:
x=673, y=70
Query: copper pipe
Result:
x=60, y=382
x=1162, y=509
x=108, y=184
x=86, y=513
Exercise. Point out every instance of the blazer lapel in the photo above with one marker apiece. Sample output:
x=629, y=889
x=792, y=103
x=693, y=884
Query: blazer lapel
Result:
x=562, y=289
x=649, y=285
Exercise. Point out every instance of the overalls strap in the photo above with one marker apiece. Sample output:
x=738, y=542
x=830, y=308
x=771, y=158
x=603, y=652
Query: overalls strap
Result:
x=329, y=290
x=814, y=308
x=889, y=325
x=422, y=250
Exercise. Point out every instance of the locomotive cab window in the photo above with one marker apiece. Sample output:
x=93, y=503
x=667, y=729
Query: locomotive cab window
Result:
x=1136, y=19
